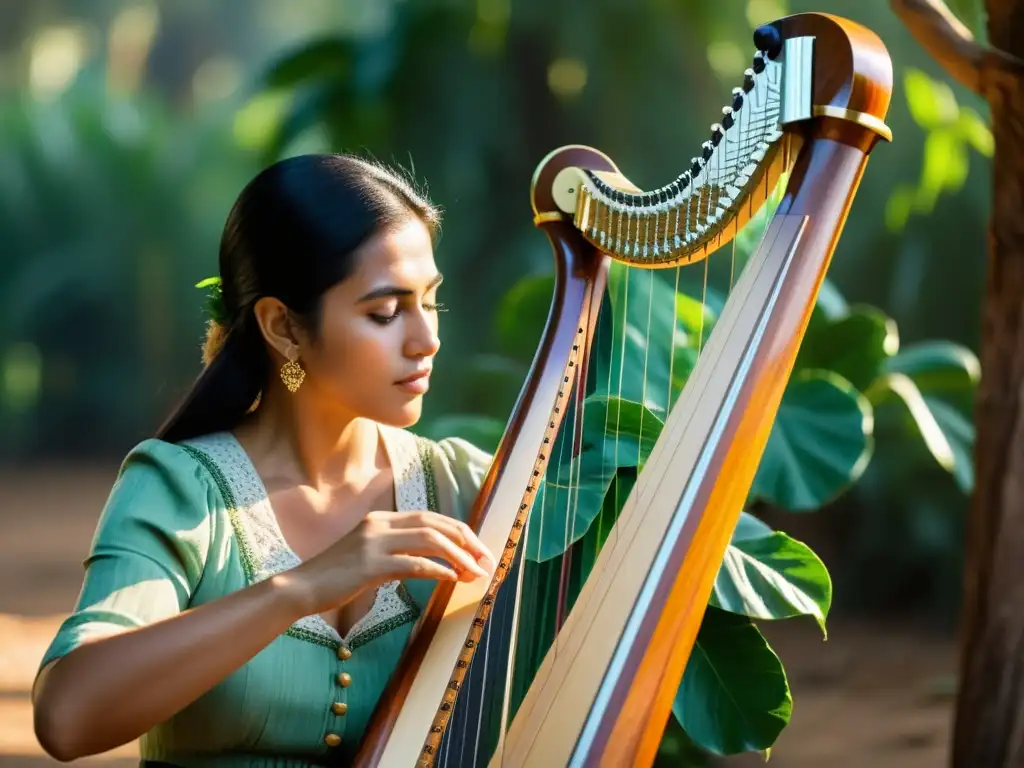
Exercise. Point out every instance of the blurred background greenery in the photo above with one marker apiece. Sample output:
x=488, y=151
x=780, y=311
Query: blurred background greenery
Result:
x=129, y=127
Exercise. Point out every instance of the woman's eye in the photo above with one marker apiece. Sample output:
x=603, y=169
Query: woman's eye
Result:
x=384, y=319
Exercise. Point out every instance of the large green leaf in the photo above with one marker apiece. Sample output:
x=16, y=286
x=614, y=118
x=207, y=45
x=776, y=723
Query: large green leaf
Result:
x=696, y=318
x=749, y=527
x=643, y=337
x=820, y=443
x=772, y=576
x=855, y=345
x=947, y=433
x=932, y=385
x=734, y=695
x=936, y=367
x=616, y=433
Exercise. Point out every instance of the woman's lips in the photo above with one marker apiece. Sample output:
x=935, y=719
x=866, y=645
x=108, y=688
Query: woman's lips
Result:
x=416, y=384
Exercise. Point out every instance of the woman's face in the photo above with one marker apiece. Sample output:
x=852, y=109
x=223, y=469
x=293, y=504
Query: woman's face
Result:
x=378, y=333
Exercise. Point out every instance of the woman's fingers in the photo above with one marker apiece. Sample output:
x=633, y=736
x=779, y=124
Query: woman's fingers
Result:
x=429, y=542
x=454, y=529
x=410, y=566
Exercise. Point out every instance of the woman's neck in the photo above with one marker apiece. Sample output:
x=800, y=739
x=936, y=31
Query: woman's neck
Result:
x=298, y=442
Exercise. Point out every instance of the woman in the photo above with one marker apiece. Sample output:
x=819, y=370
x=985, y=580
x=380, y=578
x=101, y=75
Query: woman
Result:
x=260, y=564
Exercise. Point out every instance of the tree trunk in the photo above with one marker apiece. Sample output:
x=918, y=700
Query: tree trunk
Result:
x=989, y=724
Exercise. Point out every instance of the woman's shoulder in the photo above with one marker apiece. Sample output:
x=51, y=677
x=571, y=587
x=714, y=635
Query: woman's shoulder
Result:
x=170, y=471
x=454, y=467
x=454, y=452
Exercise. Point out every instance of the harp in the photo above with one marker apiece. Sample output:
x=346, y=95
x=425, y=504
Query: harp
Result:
x=798, y=131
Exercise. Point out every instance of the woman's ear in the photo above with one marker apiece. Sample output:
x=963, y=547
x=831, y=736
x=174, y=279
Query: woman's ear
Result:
x=277, y=326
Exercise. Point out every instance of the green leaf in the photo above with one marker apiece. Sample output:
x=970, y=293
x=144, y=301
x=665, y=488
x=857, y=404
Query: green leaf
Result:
x=855, y=346
x=326, y=58
x=749, y=527
x=899, y=206
x=734, y=695
x=616, y=433
x=522, y=314
x=973, y=129
x=945, y=168
x=820, y=444
x=936, y=367
x=947, y=433
x=643, y=336
x=932, y=103
x=697, y=319
x=773, y=576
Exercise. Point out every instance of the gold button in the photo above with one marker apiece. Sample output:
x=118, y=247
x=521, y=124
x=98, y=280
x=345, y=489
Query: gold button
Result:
x=344, y=679
x=332, y=739
x=344, y=653
x=339, y=707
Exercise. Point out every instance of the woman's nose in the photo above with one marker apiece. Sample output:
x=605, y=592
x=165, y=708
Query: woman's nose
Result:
x=423, y=340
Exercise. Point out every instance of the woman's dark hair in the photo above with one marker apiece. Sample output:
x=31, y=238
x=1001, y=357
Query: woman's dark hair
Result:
x=292, y=234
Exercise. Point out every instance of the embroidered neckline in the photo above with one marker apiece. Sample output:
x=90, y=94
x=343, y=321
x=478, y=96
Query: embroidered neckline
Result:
x=265, y=552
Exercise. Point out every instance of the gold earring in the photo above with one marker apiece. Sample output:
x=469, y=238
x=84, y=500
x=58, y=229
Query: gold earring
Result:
x=292, y=374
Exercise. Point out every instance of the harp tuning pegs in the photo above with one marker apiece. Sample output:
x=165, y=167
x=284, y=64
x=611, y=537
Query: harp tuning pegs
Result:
x=748, y=80
x=717, y=133
x=768, y=40
x=759, y=63
x=727, y=118
x=707, y=149
x=737, y=98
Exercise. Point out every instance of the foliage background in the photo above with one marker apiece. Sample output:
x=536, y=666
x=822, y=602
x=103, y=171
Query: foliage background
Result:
x=130, y=126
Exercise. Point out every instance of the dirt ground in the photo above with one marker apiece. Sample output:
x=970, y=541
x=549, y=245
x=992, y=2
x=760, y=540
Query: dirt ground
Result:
x=874, y=696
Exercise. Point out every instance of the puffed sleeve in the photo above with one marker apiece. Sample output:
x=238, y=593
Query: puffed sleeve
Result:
x=459, y=475
x=149, y=549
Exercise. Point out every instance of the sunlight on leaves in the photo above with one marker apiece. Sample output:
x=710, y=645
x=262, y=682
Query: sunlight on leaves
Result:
x=975, y=131
x=945, y=168
x=932, y=102
x=773, y=576
x=947, y=433
x=256, y=123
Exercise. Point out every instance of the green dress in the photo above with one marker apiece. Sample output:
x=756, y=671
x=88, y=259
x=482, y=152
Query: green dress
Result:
x=188, y=523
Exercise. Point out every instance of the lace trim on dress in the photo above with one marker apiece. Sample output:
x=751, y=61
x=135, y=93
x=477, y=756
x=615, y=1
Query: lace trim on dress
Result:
x=264, y=551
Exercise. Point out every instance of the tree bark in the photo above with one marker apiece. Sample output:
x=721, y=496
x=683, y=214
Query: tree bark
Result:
x=989, y=722
x=988, y=730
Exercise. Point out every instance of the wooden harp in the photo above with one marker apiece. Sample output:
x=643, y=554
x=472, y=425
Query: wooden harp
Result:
x=801, y=126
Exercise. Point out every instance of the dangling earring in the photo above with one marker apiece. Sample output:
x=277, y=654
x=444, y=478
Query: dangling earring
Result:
x=292, y=373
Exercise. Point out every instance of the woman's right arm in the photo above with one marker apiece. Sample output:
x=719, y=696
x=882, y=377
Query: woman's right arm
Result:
x=110, y=690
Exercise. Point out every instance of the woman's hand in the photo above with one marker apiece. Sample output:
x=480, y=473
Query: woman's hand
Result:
x=385, y=546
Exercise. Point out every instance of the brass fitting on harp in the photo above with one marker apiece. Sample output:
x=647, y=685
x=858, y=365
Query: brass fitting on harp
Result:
x=548, y=216
x=863, y=119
